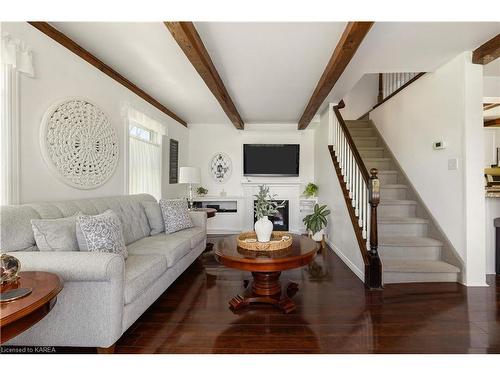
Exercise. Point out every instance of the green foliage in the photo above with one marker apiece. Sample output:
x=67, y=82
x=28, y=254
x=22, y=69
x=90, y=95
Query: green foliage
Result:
x=264, y=205
x=201, y=190
x=317, y=220
x=311, y=190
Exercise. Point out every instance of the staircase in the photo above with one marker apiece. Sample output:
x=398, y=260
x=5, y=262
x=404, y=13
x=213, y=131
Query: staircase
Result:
x=408, y=251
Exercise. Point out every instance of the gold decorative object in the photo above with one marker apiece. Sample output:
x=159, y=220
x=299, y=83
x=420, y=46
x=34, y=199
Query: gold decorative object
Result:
x=279, y=240
x=9, y=269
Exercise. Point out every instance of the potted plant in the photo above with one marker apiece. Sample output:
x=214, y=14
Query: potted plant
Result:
x=265, y=206
x=201, y=191
x=316, y=222
x=311, y=190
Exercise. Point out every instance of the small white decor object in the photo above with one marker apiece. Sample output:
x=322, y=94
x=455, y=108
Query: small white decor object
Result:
x=221, y=167
x=79, y=144
x=263, y=229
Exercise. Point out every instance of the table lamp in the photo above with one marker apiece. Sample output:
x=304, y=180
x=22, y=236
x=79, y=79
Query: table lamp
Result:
x=189, y=175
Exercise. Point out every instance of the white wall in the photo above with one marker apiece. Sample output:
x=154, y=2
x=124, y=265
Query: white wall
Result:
x=340, y=233
x=61, y=74
x=205, y=140
x=491, y=86
x=444, y=105
x=361, y=98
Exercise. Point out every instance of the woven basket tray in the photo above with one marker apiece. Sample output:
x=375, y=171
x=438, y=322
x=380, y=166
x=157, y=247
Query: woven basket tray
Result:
x=279, y=240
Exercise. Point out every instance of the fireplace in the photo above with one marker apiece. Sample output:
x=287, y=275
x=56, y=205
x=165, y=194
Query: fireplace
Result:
x=280, y=221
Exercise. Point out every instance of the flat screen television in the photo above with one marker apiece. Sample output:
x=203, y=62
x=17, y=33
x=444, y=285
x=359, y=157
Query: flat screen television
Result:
x=272, y=160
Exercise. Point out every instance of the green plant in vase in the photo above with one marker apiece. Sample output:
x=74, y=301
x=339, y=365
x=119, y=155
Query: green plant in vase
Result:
x=201, y=191
x=265, y=206
x=311, y=190
x=317, y=221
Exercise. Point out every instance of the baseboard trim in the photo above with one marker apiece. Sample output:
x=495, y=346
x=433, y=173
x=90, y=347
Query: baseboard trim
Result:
x=360, y=274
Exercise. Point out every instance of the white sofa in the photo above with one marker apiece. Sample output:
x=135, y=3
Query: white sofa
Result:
x=103, y=295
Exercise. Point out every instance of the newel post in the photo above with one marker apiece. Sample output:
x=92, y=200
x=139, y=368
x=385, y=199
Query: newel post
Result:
x=380, y=97
x=375, y=276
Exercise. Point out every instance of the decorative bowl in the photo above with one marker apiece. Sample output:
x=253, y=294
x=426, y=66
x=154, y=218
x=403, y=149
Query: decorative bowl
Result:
x=9, y=269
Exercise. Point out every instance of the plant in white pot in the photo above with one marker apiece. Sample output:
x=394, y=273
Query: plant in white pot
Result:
x=316, y=222
x=265, y=206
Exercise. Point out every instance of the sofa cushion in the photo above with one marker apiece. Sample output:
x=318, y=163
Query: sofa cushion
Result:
x=140, y=272
x=155, y=219
x=172, y=246
x=195, y=235
x=101, y=233
x=175, y=215
x=55, y=234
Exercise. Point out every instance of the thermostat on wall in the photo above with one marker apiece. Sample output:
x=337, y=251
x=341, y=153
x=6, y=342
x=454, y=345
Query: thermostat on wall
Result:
x=439, y=145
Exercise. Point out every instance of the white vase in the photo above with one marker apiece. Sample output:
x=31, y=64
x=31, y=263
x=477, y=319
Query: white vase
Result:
x=264, y=229
x=318, y=236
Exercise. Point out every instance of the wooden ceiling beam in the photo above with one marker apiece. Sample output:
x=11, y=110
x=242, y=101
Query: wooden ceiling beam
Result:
x=488, y=106
x=65, y=41
x=493, y=123
x=487, y=52
x=347, y=46
x=189, y=40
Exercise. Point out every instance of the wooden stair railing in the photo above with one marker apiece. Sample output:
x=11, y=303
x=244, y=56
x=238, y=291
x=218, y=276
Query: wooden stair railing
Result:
x=389, y=84
x=361, y=191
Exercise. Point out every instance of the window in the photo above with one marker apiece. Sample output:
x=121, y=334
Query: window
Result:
x=144, y=154
x=141, y=133
x=15, y=59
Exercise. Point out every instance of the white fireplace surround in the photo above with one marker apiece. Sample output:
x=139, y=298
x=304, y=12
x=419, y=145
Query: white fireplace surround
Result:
x=284, y=190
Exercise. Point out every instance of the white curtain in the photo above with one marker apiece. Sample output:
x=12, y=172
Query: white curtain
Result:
x=15, y=59
x=145, y=165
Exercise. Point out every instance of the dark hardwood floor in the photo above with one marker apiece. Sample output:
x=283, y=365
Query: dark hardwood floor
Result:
x=335, y=314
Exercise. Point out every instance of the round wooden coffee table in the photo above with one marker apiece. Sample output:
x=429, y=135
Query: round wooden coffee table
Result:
x=266, y=267
x=19, y=315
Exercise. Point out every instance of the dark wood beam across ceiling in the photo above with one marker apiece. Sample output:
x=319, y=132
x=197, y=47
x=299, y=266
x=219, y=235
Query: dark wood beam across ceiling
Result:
x=493, y=122
x=487, y=52
x=347, y=46
x=65, y=41
x=188, y=39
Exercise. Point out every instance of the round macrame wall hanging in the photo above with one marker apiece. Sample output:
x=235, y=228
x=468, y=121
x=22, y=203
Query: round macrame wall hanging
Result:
x=79, y=144
x=221, y=167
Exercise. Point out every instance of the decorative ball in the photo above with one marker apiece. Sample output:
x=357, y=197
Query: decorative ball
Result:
x=9, y=268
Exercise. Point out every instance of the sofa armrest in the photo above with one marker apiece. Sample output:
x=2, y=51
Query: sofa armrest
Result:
x=199, y=219
x=89, y=309
x=74, y=265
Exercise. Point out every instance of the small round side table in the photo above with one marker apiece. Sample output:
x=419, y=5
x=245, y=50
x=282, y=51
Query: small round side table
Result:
x=18, y=315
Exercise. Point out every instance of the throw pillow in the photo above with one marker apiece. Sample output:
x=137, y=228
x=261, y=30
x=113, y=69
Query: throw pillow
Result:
x=153, y=213
x=55, y=234
x=175, y=215
x=101, y=233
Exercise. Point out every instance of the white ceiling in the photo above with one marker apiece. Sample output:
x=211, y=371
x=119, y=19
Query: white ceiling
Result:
x=269, y=69
x=148, y=55
x=411, y=47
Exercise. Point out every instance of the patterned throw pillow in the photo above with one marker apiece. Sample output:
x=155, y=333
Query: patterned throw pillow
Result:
x=175, y=215
x=101, y=233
